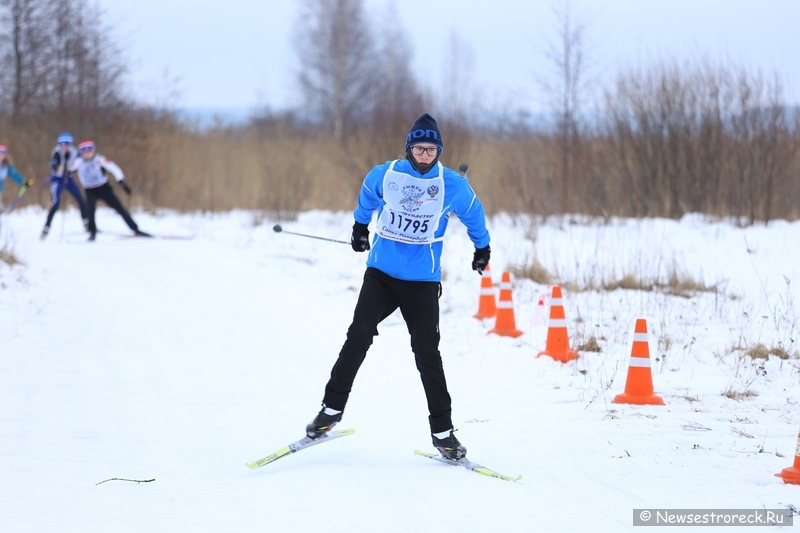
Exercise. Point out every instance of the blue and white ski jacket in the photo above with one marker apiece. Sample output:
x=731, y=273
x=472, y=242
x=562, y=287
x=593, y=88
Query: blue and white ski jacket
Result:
x=8, y=171
x=412, y=261
x=60, y=162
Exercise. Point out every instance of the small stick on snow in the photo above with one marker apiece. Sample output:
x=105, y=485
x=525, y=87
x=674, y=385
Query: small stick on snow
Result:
x=131, y=480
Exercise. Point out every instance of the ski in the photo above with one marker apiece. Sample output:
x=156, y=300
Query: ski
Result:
x=469, y=465
x=170, y=237
x=301, y=444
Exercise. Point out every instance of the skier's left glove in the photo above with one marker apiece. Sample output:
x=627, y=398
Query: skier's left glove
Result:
x=125, y=187
x=481, y=259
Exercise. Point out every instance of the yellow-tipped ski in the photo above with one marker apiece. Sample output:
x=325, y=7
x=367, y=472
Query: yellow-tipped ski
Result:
x=469, y=465
x=268, y=459
x=305, y=442
x=492, y=473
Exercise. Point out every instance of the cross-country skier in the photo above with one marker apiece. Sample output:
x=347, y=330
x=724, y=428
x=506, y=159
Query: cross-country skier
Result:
x=414, y=198
x=7, y=170
x=60, y=178
x=91, y=169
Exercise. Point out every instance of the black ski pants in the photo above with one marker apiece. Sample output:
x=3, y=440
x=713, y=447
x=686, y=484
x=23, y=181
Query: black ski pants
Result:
x=106, y=193
x=418, y=301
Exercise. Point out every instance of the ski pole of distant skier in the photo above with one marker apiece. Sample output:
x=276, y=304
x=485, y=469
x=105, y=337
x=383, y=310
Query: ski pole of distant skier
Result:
x=278, y=229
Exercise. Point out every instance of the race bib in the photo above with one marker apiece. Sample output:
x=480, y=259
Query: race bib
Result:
x=413, y=207
x=90, y=173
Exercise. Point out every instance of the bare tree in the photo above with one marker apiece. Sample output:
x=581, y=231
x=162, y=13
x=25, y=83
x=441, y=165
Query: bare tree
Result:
x=61, y=55
x=459, y=97
x=395, y=99
x=396, y=93
x=25, y=41
x=337, y=60
x=458, y=93
x=565, y=86
x=700, y=136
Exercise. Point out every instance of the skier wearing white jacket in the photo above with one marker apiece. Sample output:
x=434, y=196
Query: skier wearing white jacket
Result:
x=91, y=169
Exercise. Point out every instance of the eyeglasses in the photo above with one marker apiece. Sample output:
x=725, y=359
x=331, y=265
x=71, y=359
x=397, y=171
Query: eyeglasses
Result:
x=64, y=143
x=419, y=150
x=86, y=149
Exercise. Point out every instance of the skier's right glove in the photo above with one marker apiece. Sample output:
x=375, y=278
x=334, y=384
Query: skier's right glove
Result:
x=360, y=238
x=125, y=187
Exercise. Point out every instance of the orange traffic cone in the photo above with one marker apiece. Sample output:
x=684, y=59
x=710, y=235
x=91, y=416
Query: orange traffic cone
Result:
x=557, y=344
x=505, y=324
x=639, y=386
x=791, y=474
x=487, y=307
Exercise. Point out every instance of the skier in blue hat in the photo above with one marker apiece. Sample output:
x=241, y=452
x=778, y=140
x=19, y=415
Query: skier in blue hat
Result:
x=413, y=198
x=61, y=178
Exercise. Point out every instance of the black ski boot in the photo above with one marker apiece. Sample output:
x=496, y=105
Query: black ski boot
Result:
x=449, y=447
x=323, y=423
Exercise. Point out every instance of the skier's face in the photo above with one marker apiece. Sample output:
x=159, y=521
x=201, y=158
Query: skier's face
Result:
x=87, y=153
x=424, y=154
x=64, y=147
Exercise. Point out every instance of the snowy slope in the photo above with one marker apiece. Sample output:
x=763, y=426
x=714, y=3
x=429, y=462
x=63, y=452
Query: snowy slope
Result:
x=180, y=360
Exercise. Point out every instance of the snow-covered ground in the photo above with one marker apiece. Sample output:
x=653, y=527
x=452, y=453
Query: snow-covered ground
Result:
x=180, y=360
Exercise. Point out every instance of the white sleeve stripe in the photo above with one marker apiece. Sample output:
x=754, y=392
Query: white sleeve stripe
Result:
x=472, y=202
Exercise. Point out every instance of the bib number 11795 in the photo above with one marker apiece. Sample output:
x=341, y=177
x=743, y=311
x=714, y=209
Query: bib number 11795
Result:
x=403, y=223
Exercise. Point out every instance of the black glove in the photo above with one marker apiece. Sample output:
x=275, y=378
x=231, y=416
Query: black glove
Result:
x=360, y=238
x=481, y=259
x=125, y=187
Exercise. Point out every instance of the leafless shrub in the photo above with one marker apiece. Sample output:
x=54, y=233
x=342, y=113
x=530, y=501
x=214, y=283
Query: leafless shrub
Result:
x=759, y=351
x=590, y=345
x=664, y=343
x=675, y=283
x=533, y=271
x=8, y=256
x=739, y=395
x=700, y=137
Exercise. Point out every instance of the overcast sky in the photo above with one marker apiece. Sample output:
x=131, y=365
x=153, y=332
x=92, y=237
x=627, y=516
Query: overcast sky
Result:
x=238, y=54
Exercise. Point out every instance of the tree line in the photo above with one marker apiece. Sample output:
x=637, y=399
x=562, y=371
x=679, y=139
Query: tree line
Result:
x=665, y=139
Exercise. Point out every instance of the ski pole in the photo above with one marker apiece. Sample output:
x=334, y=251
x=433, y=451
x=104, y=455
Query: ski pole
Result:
x=463, y=169
x=10, y=206
x=20, y=194
x=278, y=229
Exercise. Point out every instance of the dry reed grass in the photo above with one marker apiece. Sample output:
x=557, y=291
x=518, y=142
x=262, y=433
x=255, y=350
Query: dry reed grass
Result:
x=8, y=256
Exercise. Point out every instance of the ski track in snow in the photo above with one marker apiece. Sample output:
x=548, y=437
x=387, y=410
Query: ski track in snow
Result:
x=182, y=360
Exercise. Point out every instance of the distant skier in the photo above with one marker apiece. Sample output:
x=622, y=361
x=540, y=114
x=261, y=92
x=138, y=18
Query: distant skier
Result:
x=60, y=177
x=91, y=169
x=414, y=198
x=7, y=170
